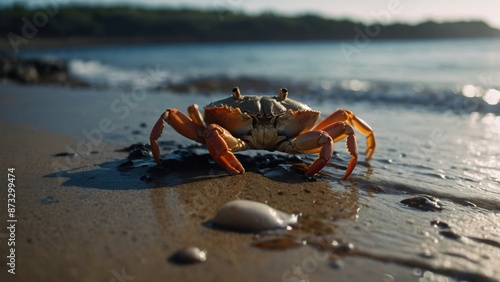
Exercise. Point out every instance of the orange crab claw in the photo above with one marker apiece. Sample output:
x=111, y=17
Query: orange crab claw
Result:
x=155, y=134
x=352, y=148
x=190, y=127
x=324, y=155
x=339, y=131
x=217, y=140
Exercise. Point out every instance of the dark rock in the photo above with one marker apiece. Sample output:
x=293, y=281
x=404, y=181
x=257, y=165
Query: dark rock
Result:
x=440, y=224
x=29, y=71
x=424, y=203
x=126, y=165
x=342, y=248
x=71, y=155
x=139, y=153
x=146, y=178
x=135, y=146
x=184, y=159
x=450, y=235
x=136, y=132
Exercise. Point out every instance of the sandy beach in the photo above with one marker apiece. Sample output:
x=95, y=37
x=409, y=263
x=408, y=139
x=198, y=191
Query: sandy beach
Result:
x=81, y=218
x=95, y=224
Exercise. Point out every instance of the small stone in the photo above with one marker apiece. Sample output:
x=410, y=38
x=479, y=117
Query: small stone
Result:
x=336, y=262
x=424, y=203
x=342, y=248
x=188, y=255
x=49, y=200
x=135, y=146
x=65, y=154
x=126, y=165
x=146, y=178
x=139, y=154
x=450, y=235
x=440, y=224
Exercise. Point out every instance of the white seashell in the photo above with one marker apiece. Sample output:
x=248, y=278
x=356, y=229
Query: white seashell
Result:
x=245, y=215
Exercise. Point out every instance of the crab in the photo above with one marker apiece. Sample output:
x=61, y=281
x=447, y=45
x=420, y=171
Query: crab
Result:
x=271, y=123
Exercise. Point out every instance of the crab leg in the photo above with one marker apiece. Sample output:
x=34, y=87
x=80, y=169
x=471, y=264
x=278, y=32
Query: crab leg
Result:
x=308, y=142
x=313, y=140
x=339, y=131
x=359, y=124
x=191, y=128
x=220, y=143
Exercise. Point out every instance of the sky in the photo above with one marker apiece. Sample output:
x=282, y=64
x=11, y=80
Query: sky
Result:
x=383, y=11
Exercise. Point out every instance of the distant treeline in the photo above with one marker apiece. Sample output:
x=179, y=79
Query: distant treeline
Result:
x=189, y=25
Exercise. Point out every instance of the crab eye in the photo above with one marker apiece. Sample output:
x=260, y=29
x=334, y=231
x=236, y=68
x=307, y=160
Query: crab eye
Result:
x=236, y=93
x=283, y=94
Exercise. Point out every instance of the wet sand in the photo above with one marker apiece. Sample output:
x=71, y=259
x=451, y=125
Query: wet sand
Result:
x=96, y=224
x=82, y=219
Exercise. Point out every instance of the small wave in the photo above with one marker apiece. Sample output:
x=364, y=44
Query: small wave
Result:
x=457, y=99
x=96, y=73
x=434, y=99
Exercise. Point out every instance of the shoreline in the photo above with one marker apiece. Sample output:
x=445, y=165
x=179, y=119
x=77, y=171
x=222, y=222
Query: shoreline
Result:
x=90, y=42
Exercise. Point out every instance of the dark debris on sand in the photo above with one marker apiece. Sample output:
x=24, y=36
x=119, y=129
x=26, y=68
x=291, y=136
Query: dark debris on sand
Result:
x=424, y=203
x=195, y=157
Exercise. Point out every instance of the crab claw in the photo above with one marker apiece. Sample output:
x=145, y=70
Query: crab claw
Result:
x=339, y=131
x=324, y=155
x=155, y=134
x=352, y=148
x=218, y=148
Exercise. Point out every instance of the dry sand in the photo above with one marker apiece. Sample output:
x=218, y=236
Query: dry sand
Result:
x=96, y=224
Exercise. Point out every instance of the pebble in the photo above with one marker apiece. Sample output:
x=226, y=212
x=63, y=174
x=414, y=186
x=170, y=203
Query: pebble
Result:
x=424, y=203
x=49, y=200
x=251, y=216
x=65, y=154
x=139, y=154
x=450, y=235
x=126, y=165
x=188, y=255
x=146, y=178
x=135, y=146
x=440, y=224
x=342, y=248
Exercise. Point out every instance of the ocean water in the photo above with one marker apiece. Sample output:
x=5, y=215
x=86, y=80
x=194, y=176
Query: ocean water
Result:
x=433, y=105
x=435, y=72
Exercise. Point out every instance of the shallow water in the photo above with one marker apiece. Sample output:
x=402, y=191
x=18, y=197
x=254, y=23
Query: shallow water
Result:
x=457, y=75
